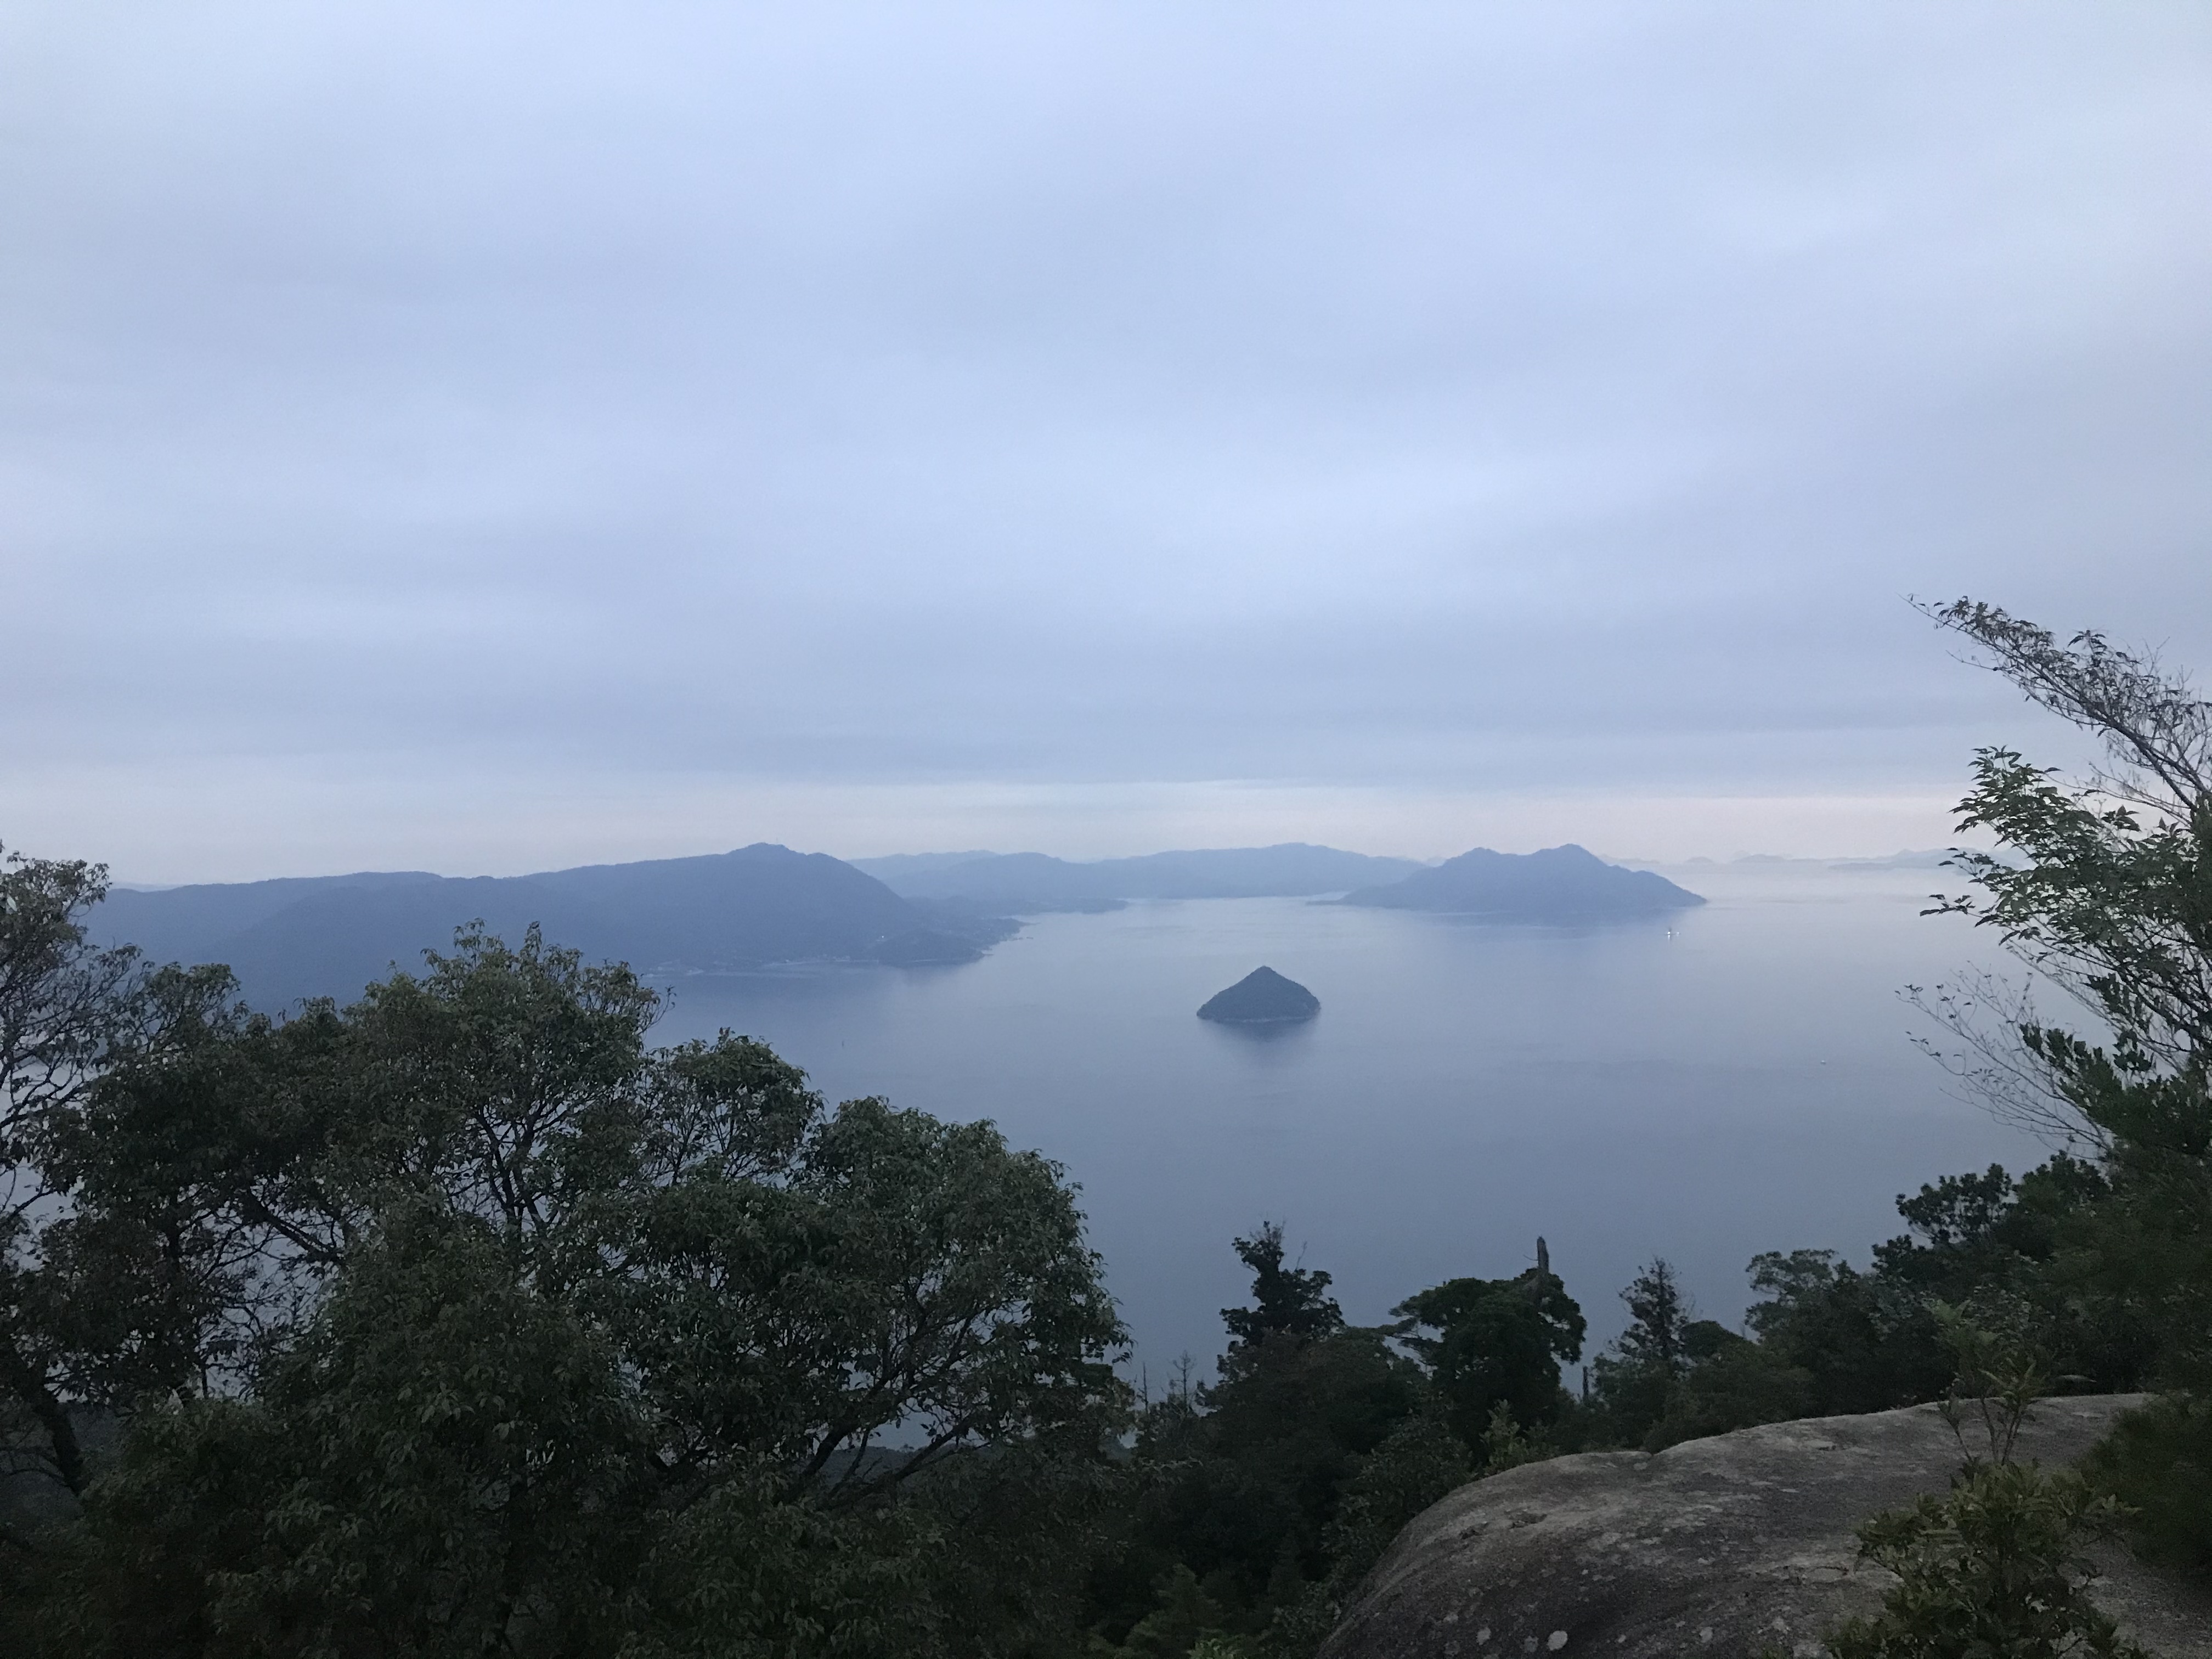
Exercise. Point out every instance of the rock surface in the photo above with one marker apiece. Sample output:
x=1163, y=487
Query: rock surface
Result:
x=1728, y=1547
x=1263, y=997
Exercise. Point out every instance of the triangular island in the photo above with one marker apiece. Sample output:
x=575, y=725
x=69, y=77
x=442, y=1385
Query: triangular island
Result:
x=1263, y=997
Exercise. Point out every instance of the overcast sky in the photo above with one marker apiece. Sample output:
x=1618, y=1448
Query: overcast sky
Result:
x=481, y=437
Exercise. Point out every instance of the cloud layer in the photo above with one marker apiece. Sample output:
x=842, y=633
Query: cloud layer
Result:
x=452, y=420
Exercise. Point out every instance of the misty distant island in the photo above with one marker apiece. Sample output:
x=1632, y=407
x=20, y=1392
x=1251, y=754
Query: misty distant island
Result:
x=1558, y=884
x=1033, y=884
x=1263, y=997
x=756, y=907
x=766, y=905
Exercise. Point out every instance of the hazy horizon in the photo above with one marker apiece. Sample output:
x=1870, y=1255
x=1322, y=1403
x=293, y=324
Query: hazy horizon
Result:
x=1611, y=856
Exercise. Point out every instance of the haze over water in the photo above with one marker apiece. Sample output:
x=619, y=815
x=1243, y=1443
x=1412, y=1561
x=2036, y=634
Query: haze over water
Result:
x=1743, y=1082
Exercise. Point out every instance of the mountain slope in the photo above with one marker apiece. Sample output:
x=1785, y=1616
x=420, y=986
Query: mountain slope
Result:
x=173, y=923
x=1560, y=883
x=1263, y=997
x=330, y=936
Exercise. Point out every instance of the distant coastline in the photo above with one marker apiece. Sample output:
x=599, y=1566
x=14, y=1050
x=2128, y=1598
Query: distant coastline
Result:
x=766, y=905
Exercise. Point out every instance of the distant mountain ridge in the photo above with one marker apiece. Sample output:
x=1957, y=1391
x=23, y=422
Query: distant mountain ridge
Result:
x=330, y=936
x=766, y=904
x=1031, y=883
x=1559, y=883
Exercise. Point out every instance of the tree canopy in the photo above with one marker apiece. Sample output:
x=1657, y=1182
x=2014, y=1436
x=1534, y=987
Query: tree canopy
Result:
x=460, y=1320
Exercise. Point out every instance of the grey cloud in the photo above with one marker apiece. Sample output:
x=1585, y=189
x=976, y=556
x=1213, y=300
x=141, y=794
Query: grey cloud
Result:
x=1401, y=396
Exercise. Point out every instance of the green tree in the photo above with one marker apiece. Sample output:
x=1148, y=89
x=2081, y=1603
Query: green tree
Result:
x=1732, y=1382
x=1496, y=1344
x=1285, y=1301
x=1827, y=1338
x=460, y=1321
x=64, y=1007
x=1243, y=1482
x=1864, y=1341
x=1986, y=1238
x=1420, y=1462
x=1659, y=1314
x=2103, y=886
x=1637, y=1381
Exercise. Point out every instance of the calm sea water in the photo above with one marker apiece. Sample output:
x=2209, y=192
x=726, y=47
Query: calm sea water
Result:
x=1737, y=1078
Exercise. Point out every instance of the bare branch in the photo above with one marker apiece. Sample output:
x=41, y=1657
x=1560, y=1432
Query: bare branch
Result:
x=2147, y=716
x=1992, y=1067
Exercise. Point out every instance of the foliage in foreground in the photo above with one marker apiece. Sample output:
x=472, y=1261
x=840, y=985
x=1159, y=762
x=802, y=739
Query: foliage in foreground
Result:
x=1258, y=1500
x=2110, y=898
x=2102, y=1256
x=1994, y=1565
x=458, y=1321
